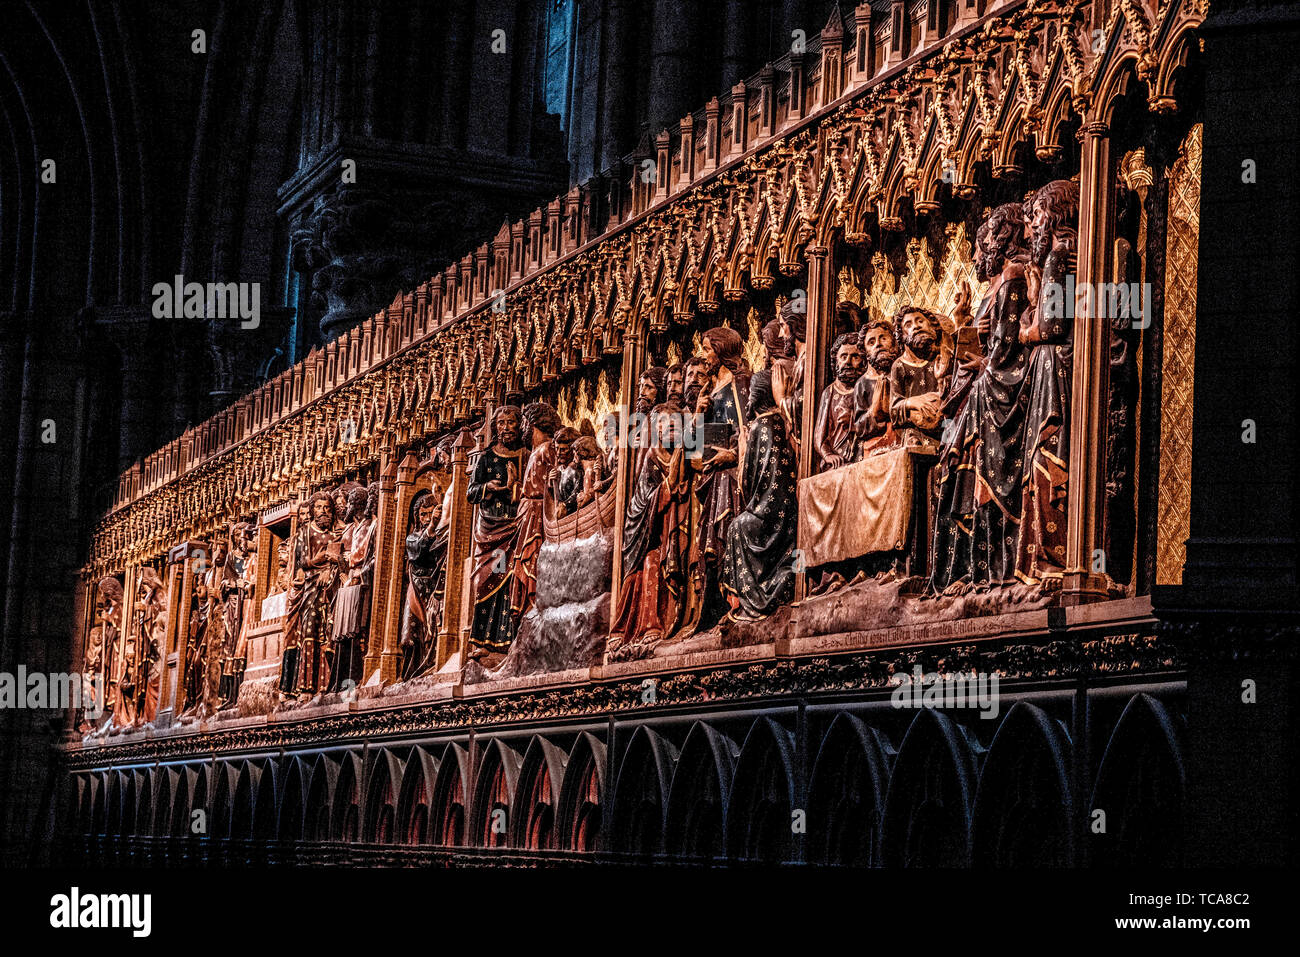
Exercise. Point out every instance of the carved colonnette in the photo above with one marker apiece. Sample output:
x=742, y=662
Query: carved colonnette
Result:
x=848, y=161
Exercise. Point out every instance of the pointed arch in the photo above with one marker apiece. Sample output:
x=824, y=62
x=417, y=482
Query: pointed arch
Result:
x=320, y=794
x=701, y=791
x=846, y=794
x=415, y=798
x=293, y=799
x=381, y=798
x=640, y=805
x=1140, y=787
x=764, y=794
x=1024, y=810
x=532, y=821
x=931, y=792
x=494, y=791
x=345, y=802
x=579, y=812
x=451, y=793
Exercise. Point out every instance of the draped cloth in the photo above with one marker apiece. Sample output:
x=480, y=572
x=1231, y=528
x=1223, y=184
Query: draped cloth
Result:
x=1040, y=547
x=655, y=530
x=717, y=497
x=856, y=509
x=496, y=532
x=316, y=607
x=532, y=505
x=977, y=514
x=757, y=565
x=426, y=569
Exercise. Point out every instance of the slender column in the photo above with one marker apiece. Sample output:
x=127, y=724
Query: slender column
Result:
x=633, y=356
x=379, y=645
x=816, y=345
x=1084, y=578
x=450, y=634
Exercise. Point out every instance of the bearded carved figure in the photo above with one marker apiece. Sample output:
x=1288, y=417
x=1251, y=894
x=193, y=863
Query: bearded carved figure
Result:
x=142, y=668
x=357, y=568
x=319, y=550
x=495, y=487
x=758, y=571
x=656, y=524
x=981, y=462
x=1044, y=468
x=540, y=423
x=871, y=399
x=918, y=377
x=235, y=591
x=108, y=619
x=835, y=433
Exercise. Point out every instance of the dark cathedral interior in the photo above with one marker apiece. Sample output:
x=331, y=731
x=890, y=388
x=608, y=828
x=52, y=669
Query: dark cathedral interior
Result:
x=648, y=433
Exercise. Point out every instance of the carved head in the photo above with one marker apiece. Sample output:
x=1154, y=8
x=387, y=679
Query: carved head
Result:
x=506, y=426
x=304, y=512
x=322, y=509
x=777, y=341
x=1052, y=213
x=356, y=507
x=540, y=420
x=794, y=315
x=425, y=509
x=585, y=449
x=562, y=442
x=760, y=390
x=699, y=378
x=675, y=380
x=667, y=421
x=372, y=500
x=999, y=240
x=880, y=344
x=723, y=348
x=848, y=360
x=110, y=590
x=919, y=329
x=650, y=388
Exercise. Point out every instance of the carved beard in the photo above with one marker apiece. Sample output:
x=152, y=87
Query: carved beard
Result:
x=509, y=439
x=691, y=396
x=1041, y=247
x=644, y=405
x=988, y=264
x=883, y=359
x=848, y=375
x=921, y=343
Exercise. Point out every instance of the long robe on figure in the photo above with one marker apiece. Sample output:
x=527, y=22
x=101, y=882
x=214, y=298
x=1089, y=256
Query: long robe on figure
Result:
x=977, y=512
x=426, y=569
x=1045, y=470
x=320, y=583
x=496, y=532
x=531, y=512
x=758, y=565
x=718, y=501
x=655, y=530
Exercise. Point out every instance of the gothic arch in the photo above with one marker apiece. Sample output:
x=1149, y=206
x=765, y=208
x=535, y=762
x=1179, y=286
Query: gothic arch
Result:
x=345, y=802
x=1024, y=810
x=640, y=802
x=242, y=801
x=201, y=800
x=320, y=794
x=266, y=803
x=292, y=802
x=114, y=781
x=414, y=800
x=532, y=822
x=98, y=810
x=381, y=798
x=146, y=788
x=579, y=815
x=1140, y=787
x=160, y=826
x=494, y=791
x=701, y=791
x=450, y=799
x=180, y=809
x=221, y=823
x=764, y=794
x=846, y=794
x=928, y=808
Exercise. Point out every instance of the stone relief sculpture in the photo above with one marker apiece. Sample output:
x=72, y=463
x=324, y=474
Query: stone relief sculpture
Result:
x=352, y=604
x=319, y=551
